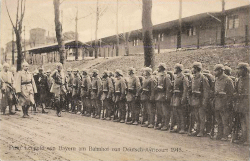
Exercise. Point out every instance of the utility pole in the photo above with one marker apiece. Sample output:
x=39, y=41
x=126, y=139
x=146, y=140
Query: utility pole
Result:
x=180, y=21
x=24, y=45
x=223, y=24
x=13, y=48
x=96, y=27
x=117, y=32
x=76, y=36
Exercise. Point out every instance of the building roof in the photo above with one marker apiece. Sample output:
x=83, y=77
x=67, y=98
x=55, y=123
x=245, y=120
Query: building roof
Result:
x=55, y=47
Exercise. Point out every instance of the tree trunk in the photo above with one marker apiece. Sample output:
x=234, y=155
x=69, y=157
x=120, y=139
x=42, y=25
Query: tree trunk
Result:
x=58, y=28
x=149, y=58
x=19, y=50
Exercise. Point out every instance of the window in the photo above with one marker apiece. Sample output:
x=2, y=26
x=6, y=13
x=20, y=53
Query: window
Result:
x=233, y=22
x=191, y=31
x=162, y=37
x=137, y=42
x=134, y=43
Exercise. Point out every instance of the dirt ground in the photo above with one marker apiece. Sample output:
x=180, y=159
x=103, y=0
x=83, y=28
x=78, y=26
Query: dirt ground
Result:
x=75, y=137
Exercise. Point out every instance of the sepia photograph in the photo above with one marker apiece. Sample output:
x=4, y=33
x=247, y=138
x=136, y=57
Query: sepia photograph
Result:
x=127, y=80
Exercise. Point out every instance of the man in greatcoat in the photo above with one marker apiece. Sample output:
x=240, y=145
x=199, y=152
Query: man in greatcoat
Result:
x=85, y=88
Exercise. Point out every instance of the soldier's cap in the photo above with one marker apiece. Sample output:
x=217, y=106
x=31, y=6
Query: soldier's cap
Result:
x=111, y=73
x=95, y=71
x=206, y=71
x=75, y=70
x=228, y=69
x=13, y=69
x=149, y=70
x=243, y=66
x=48, y=71
x=40, y=68
x=155, y=72
x=25, y=64
x=197, y=65
x=179, y=66
x=163, y=65
x=219, y=66
x=35, y=71
x=119, y=72
x=85, y=70
x=186, y=71
x=59, y=65
x=131, y=69
x=105, y=72
x=69, y=70
x=6, y=65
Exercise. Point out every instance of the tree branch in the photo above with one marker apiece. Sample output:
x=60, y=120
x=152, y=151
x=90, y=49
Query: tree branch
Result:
x=17, y=13
x=9, y=16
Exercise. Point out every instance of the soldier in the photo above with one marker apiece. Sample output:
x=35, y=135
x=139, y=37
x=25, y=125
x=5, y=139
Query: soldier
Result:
x=172, y=117
x=210, y=115
x=85, y=92
x=242, y=101
x=50, y=95
x=106, y=97
x=7, y=89
x=148, y=98
x=59, y=88
x=223, y=98
x=25, y=89
x=113, y=105
x=15, y=101
x=133, y=89
x=120, y=96
x=199, y=98
x=188, y=116
x=42, y=87
x=163, y=95
x=228, y=72
x=75, y=92
x=96, y=91
x=69, y=80
x=179, y=98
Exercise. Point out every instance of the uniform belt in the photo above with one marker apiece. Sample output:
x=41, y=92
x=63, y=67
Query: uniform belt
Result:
x=23, y=83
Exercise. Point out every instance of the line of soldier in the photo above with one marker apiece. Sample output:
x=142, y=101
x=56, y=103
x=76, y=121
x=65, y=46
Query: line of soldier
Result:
x=185, y=102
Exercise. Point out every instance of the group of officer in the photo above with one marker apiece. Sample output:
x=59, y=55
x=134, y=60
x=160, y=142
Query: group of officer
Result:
x=182, y=101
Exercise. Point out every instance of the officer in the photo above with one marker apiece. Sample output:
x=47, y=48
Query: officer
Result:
x=50, y=95
x=242, y=101
x=69, y=80
x=223, y=98
x=42, y=88
x=200, y=96
x=179, y=98
x=96, y=91
x=59, y=88
x=85, y=93
x=120, y=96
x=7, y=88
x=13, y=70
x=106, y=97
x=163, y=96
x=228, y=72
x=113, y=105
x=148, y=98
x=25, y=89
x=133, y=89
x=75, y=92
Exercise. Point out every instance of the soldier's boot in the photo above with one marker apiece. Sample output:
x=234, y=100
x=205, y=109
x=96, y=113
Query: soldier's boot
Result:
x=43, y=107
x=24, y=113
x=27, y=110
x=122, y=116
x=10, y=110
x=165, y=126
x=158, y=124
x=3, y=109
x=16, y=109
x=151, y=121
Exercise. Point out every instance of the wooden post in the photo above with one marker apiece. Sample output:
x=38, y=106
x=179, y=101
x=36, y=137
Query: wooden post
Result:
x=198, y=37
x=246, y=35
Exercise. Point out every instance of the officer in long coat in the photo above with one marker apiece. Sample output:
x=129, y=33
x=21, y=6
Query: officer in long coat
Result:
x=163, y=96
x=75, y=91
x=69, y=80
x=106, y=97
x=147, y=95
x=59, y=88
x=132, y=97
x=85, y=88
x=120, y=95
x=25, y=89
x=96, y=91
x=179, y=98
x=242, y=101
x=200, y=97
x=224, y=90
x=14, y=73
x=7, y=88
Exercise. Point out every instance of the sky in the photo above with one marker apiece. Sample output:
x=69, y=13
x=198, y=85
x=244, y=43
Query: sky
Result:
x=40, y=13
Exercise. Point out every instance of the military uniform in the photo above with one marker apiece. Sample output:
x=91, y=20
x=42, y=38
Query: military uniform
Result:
x=7, y=90
x=42, y=87
x=96, y=91
x=59, y=90
x=85, y=93
x=106, y=97
x=242, y=102
x=223, y=99
x=133, y=89
x=69, y=80
x=147, y=98
x=76, y=93
x=163, y=96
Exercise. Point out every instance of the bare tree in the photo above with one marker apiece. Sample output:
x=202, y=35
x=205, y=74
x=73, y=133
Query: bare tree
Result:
x=58, y=29
x=149, y=58
x=17, y=27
